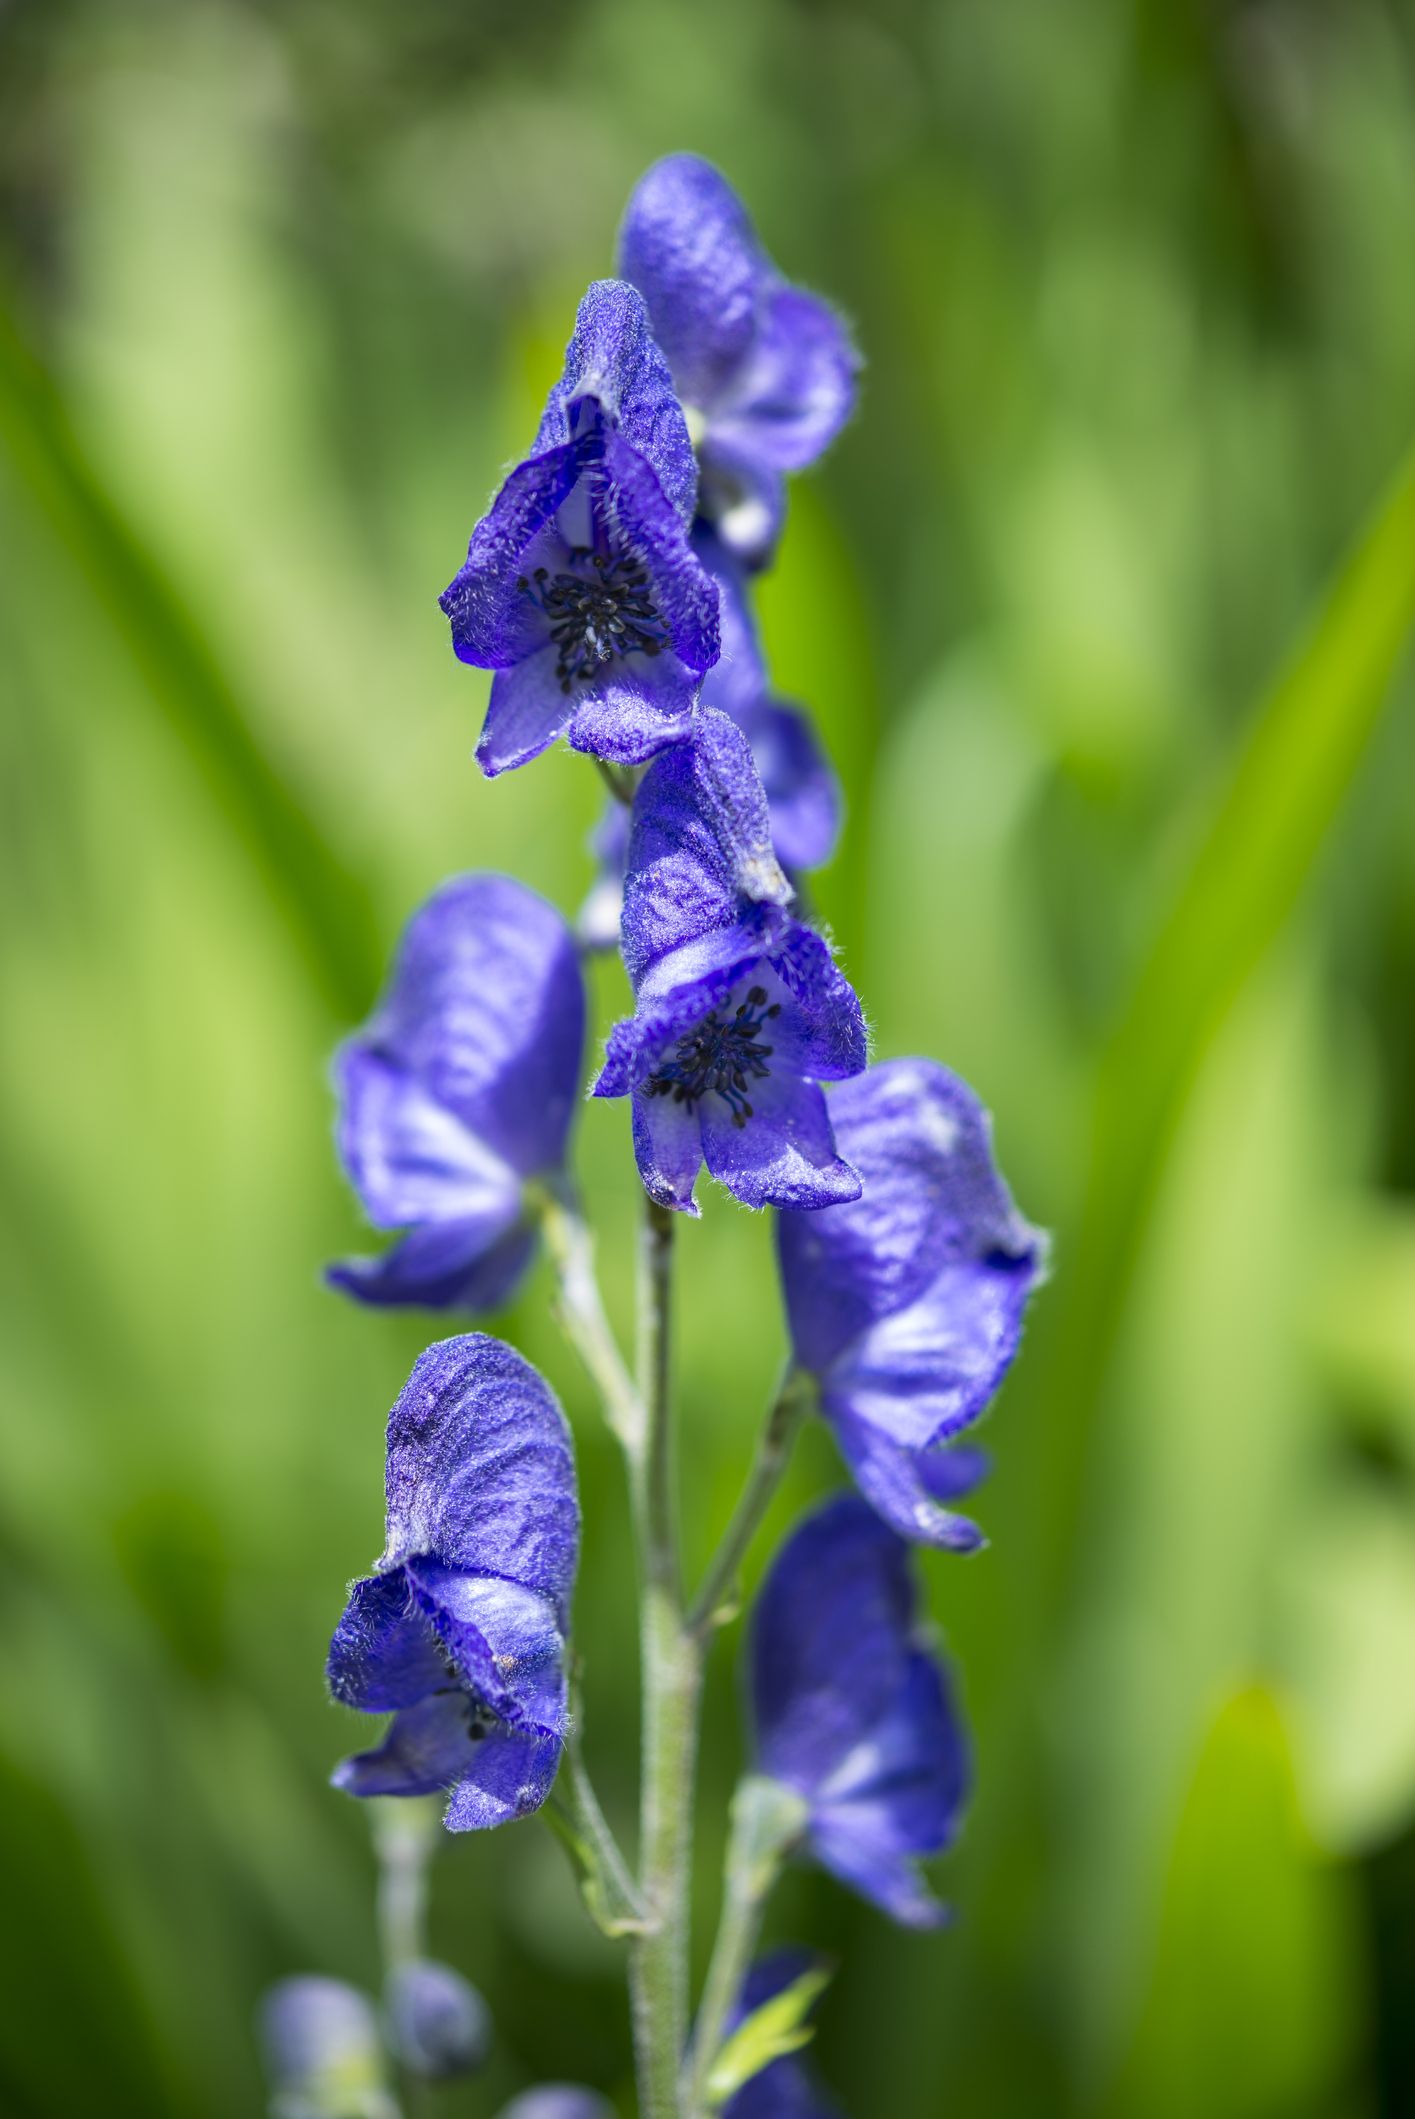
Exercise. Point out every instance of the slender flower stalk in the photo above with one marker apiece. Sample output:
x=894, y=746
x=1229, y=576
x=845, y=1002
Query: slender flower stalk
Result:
x=671, y=1679
x=713, y=1605
x=581, y=1311
x=766, y=1820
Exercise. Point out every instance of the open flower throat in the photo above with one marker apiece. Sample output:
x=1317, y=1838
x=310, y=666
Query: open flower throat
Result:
x=723, y=1055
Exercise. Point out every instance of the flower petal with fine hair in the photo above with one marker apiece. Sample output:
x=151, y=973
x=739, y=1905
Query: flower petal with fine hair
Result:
x=907, y=1304
x=580, y=589
x=741, y=1011
x=853, y=1710
x=460, y=1631
x=458, y=1091
x=766, y=370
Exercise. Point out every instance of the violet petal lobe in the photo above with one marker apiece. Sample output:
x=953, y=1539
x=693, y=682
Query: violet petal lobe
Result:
x=461, y=1631
x=460, y=1087
x=580, y=588
x=487, y=1007
x=480, y=1471
x=699, y=846
x=616, y=368
x=686, y=240
x=797, y=388
x=767, y=370
x=739, y=1009
x=785, y=1155
x=852, y=1711
x=908, y=1304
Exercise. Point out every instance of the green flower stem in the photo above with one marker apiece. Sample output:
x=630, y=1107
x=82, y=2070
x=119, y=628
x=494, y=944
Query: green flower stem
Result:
x=672, y=1682
x=619, y=779
x=580, y=1308
x=574, y=1814
x=794, y=1399
x=405, y=1831
x=767, y=1820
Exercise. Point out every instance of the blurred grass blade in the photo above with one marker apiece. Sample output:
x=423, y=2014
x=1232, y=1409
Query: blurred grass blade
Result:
x=1250, y=2008
x=1285, y=790
x=322, y=901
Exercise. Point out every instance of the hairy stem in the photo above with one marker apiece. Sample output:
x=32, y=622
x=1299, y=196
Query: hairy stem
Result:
x=793, y=1401
x=766, y=1820
x=404, y=1835
x=671, y=1679
x=580, y=1308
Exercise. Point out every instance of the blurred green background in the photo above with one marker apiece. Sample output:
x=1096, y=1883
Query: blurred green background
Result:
x=283, y=285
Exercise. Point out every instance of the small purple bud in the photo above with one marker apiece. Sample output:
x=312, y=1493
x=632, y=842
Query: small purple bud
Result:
x=322, y=2052
x=439, y=2025
x=558, y=2100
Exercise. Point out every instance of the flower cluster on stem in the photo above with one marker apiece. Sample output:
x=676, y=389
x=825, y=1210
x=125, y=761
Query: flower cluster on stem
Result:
x=608, y=591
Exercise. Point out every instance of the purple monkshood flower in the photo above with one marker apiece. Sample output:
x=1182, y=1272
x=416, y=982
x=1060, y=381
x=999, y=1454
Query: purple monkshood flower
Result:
x=460, y=1631
x=580, y=588
x=853, y=1712
x=740, y=1010
x=907, y=1305
x=459, y=1090
x=765, y=370
x=787, y=2089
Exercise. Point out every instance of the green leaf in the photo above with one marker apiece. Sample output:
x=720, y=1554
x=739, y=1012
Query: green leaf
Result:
x=778, y=2027
x=1280, y=799
x=316, y=889
x=1250, y=2007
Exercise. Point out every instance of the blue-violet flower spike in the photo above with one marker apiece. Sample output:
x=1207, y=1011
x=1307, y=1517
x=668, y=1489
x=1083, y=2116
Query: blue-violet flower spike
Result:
x=766, y=371
x=787, y=2089
x=460, y=1632
x=459, y=1090
x=907, y=1305
x=740, y=1010
x=853, y=1711
x=580, y=588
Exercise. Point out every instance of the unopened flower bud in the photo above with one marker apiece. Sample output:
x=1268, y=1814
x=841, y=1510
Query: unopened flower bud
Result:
x=438, y=2024
x=322, y=2052
x=558, y=2100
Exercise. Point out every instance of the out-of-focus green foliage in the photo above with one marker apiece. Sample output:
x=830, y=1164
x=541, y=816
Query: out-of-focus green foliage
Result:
x=1102, y=604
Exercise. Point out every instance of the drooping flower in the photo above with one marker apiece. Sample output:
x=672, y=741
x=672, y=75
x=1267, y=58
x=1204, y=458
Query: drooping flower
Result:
x=460, y=1631
x=787, y=2089
x=766, y=371
x=580, y=588
x=322, y=2052
x=740, y=1011
x=439, y=2025
x=460, y=1090
x=907, y=1304
x=853, y=1711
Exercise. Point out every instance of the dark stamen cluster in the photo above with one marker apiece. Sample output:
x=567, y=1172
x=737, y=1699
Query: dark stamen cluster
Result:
x=596, y=615
x=721, y=1055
